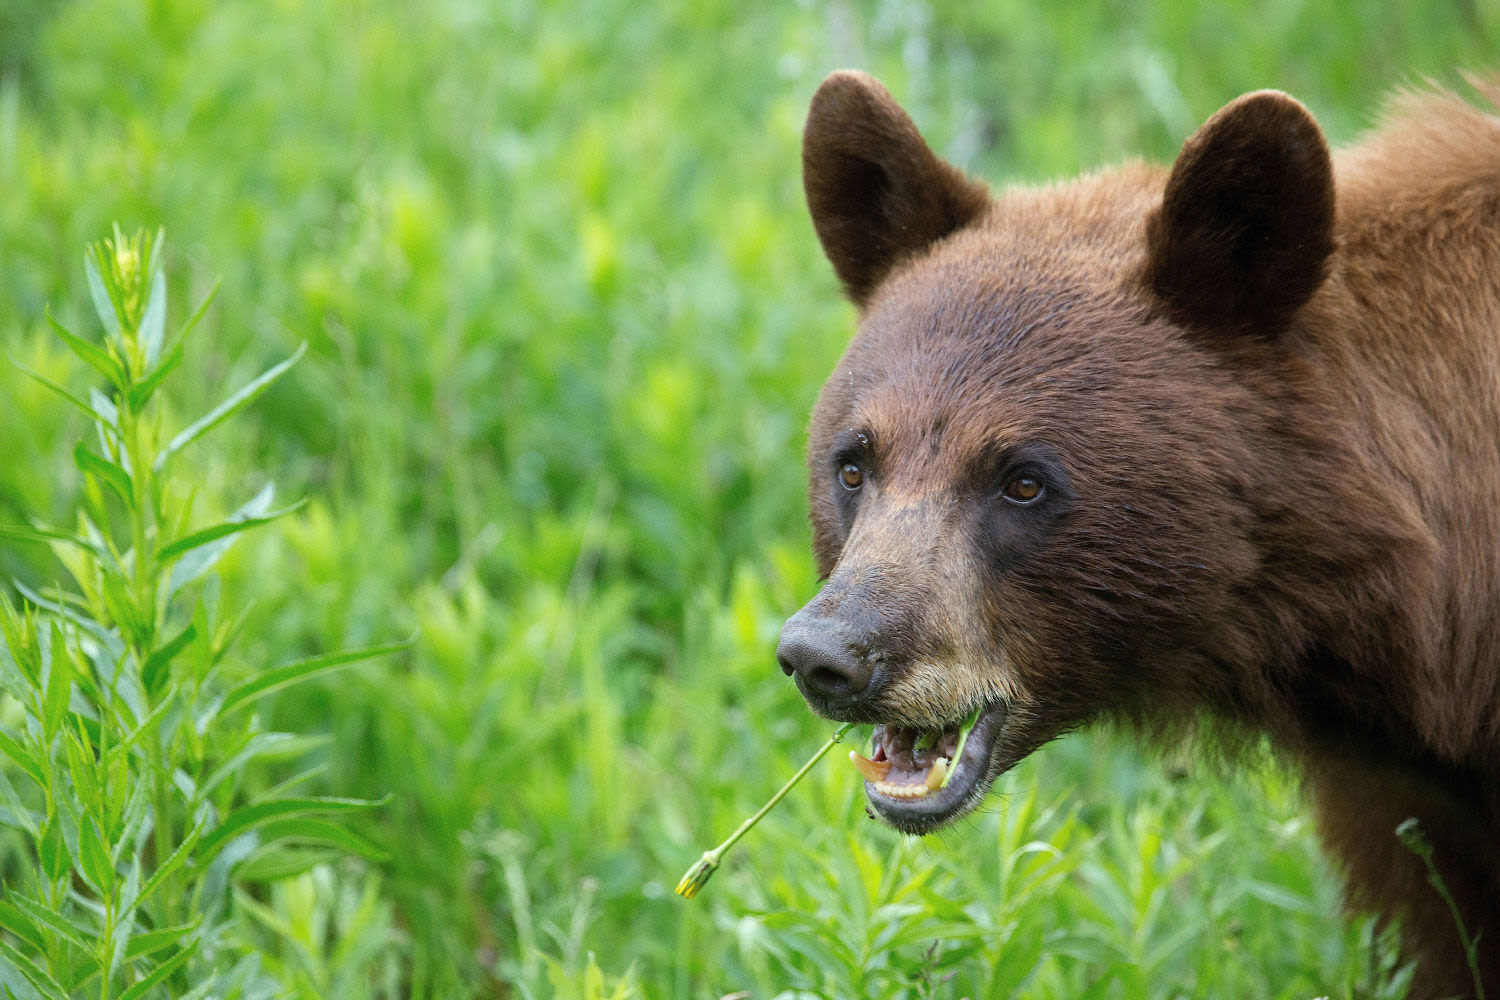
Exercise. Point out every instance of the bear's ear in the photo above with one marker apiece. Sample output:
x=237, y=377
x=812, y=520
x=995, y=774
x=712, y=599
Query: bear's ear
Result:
x=1245, y=229
x=876, y=192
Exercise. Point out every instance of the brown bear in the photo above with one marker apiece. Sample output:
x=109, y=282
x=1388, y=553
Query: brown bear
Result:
x=1219, y=442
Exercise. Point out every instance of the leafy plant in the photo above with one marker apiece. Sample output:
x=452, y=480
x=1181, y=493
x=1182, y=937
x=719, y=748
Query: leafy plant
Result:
x=132, y=730
x=1409, y=832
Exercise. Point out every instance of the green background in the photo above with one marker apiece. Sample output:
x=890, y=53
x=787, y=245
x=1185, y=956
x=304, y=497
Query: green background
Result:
x=566, y=317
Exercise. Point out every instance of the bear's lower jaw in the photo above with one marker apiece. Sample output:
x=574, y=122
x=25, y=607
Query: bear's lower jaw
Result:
x=919, y=781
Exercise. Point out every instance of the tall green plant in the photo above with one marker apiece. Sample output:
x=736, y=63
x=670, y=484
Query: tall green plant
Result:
x=132, y=733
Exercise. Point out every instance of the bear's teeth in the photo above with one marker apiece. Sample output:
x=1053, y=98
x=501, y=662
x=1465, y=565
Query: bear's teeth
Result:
x=896, y=791
x=873, y=770
x=937, y=775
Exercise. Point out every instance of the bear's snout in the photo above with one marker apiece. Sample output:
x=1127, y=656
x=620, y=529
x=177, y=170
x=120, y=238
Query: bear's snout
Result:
x=831, y=668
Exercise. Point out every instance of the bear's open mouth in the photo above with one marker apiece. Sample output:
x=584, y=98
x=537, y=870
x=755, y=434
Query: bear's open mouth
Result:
x=917, y=779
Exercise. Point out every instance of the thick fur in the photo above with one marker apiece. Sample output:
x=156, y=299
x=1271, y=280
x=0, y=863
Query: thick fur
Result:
x=1263, y=389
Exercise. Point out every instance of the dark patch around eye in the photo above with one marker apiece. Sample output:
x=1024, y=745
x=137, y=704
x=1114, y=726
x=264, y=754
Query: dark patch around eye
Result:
x=851, y=466
x=1009, y=528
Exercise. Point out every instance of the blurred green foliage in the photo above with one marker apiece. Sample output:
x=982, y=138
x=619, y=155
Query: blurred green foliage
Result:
x=566, y=318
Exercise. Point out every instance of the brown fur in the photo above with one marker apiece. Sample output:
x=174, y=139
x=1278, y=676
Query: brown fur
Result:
x=1264, y=391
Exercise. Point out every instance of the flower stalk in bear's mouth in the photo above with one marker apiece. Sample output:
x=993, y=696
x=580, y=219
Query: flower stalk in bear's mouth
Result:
x=925, y=762
x=963, y=737
x=695, y=876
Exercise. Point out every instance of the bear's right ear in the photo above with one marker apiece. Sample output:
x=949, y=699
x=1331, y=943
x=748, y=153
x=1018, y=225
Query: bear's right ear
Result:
x=877, y=193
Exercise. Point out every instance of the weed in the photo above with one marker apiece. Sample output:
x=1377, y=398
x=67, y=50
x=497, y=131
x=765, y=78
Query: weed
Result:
x=1409, y=832
x=135, y=733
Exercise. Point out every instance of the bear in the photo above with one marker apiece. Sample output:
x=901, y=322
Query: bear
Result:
x=1206, y=450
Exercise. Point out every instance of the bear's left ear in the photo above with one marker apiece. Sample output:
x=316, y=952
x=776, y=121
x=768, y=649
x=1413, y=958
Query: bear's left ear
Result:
x=1245, y=230
x=876, y=191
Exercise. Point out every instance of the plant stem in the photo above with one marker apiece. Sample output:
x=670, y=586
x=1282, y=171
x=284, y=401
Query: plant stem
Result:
x=791, y=782
x=693, y=880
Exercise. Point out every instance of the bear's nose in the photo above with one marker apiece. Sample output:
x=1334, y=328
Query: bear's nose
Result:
x=822, y=661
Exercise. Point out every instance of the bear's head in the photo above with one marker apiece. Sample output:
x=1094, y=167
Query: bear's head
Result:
x=1040, y=480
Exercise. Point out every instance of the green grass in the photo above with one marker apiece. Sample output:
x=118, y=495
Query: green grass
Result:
x=566, y=317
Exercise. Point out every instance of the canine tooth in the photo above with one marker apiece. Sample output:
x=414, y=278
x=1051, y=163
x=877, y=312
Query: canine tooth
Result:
x=937, y=775
x=873, y=770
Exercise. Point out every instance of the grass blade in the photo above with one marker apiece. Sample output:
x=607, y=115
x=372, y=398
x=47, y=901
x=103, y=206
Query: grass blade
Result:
x=154, y=317
x=279, y=677
x=44, y=984
x=161, y=972
x=114, y=476
x=95, y=357
x=222, y=530
x=264, y=812
x=141, y=391
x=237, y=401
x=309, y=830
x=17, y=923
x=104, y=306
x=199, y=561
x=79, y=937
x=145, y=944
x=22, y=758
x=166, y=869
x=161, y=658
x=60, y=390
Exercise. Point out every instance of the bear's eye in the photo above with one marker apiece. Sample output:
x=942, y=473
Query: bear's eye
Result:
x=1023, y=490
x=851, y=476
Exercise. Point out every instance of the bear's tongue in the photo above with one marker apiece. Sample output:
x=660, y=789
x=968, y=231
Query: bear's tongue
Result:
x=911, y=763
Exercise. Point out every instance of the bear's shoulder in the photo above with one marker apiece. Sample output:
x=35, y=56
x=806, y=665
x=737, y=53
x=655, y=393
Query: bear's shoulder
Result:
x=1433, y=154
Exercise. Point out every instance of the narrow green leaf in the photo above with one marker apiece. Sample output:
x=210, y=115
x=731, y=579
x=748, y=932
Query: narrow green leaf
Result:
x=263, y=812
x=167, y=868
x=93, y=857
x=200, y=560
x=22, y=758
x=157, y=713
x=17, y=923
x=311, y=830
x=275, y=862
x=129, y=890
x=161, y=972
x=154, y=316
x=142, y=390
x=82, y=768
x=95, y=357
x=111, y=474
x=192, y=322
x=145, y=944
x=108, y=412
x=20, y=815
x=44, y=984
x=59, y=686
x=104, y=305
x=48, y=536
x=133, y=820
x=236, y=402
x=290, y=673
x=17, y=670
x=221, y=530
x=79, y=937
x=259, y=746
x=154, y=672
x=107, y=638
x=60, y=390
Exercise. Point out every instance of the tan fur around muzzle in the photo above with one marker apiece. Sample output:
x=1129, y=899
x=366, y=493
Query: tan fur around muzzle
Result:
x=908, y=585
